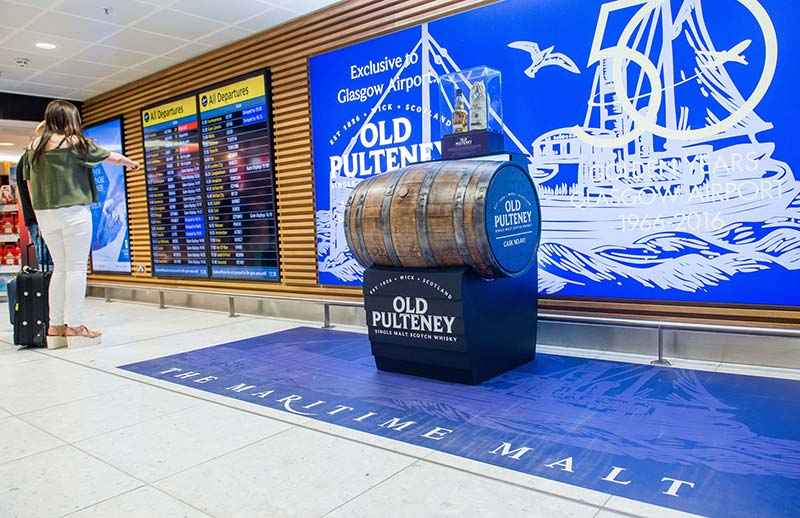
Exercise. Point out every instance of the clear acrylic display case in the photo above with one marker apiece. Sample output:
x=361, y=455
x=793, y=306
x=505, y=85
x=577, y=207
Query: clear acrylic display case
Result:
x=471, y=100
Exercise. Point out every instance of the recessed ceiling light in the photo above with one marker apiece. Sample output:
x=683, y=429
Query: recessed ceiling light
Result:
x=6, y=144
x=44, y=45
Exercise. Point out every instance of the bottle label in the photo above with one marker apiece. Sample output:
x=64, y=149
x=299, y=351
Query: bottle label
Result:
x=477, y=108
x=460, y=124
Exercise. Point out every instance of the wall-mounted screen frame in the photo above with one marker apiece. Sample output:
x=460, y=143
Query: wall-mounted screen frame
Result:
x=237, y=148
x=111, y=245
x=211, y=201
x=175, y=194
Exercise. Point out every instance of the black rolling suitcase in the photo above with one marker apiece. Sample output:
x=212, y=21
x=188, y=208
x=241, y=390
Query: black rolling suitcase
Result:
x=11, y=286
x=31, y=309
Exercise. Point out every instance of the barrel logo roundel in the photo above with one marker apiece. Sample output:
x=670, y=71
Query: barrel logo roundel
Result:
x=513, y=221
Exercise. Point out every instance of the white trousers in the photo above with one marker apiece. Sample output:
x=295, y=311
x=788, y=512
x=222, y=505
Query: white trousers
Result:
x=68, y=234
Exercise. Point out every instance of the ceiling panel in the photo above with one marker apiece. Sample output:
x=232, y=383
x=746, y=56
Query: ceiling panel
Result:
x=70, y=81
x=270, y=18
x=38, y=61
x=85, y=93
x=44, y=4
x=140, y=41
x=85, y=68
x=112, y=56
x=74, y=27
x=98, y=51
x=157, y=63
x=234, y=11
x=104, y=85
x=17, y=15
x=24, y=42
x=17, y=128
x=159, y=3
x=14, y=73
x=188, y=51
x=122, y=12
x=179, y=25
x=128, y=75
x=8, y=85
x=45, y=90
x=226, y=35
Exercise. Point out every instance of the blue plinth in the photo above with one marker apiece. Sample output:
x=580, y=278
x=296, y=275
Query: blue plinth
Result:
x=472, y=144
x=448, y=323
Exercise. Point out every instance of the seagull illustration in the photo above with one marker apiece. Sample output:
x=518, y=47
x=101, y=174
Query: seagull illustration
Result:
x=543, y=58
x=719, y=58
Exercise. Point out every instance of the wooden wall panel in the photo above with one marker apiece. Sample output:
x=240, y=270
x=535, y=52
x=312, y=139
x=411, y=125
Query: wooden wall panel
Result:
x=285, y=51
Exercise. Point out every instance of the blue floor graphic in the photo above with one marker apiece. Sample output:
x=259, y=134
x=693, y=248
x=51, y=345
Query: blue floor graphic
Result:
x=705, y=443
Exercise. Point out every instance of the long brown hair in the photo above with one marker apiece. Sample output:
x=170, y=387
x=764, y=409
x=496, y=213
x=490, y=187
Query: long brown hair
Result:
x=62, y=118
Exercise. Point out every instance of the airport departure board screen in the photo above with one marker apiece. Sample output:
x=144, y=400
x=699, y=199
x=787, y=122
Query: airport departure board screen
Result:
x=175, y=189
x=239, y=181
x=210, y=183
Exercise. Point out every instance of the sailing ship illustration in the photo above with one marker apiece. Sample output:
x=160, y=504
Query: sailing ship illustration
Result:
x=722, y=175
x=667, y=166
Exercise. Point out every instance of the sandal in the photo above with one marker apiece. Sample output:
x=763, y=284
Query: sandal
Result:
x=82, y=336
x=56, y=337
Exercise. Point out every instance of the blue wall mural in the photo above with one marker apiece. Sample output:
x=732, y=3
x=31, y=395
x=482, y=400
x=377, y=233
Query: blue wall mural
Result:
x=659, y=135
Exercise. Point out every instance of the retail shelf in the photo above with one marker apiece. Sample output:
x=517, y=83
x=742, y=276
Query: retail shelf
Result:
x=9, y=268
x=9, y=238
x=8, y=207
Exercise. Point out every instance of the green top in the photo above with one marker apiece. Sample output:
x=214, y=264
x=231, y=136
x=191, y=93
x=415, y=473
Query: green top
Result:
x=63, y=177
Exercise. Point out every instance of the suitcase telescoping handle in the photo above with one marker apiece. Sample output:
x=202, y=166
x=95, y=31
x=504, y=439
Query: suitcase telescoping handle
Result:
x=26, y=266
x=43, y=267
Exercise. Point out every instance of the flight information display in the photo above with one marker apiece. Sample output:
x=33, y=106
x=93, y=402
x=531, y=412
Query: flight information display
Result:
x=111, y=246
x=175, y=189
x=239, y=181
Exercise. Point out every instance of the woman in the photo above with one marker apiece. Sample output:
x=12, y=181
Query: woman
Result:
x=59, y=174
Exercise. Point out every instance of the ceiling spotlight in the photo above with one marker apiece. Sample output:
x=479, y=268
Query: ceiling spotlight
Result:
x=22, y=62
x=44, y=45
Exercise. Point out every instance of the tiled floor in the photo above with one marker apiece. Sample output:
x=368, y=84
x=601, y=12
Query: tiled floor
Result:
x=80, y=438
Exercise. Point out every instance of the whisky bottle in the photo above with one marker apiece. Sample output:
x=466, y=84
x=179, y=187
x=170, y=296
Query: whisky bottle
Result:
x=477, y=106
x=460, y=122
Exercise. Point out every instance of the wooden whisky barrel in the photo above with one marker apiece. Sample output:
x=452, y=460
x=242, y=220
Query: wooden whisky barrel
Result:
x=481, y=214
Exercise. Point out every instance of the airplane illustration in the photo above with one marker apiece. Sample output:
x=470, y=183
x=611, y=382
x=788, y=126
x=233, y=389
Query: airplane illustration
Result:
x=719, y=58
x=543, y=58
